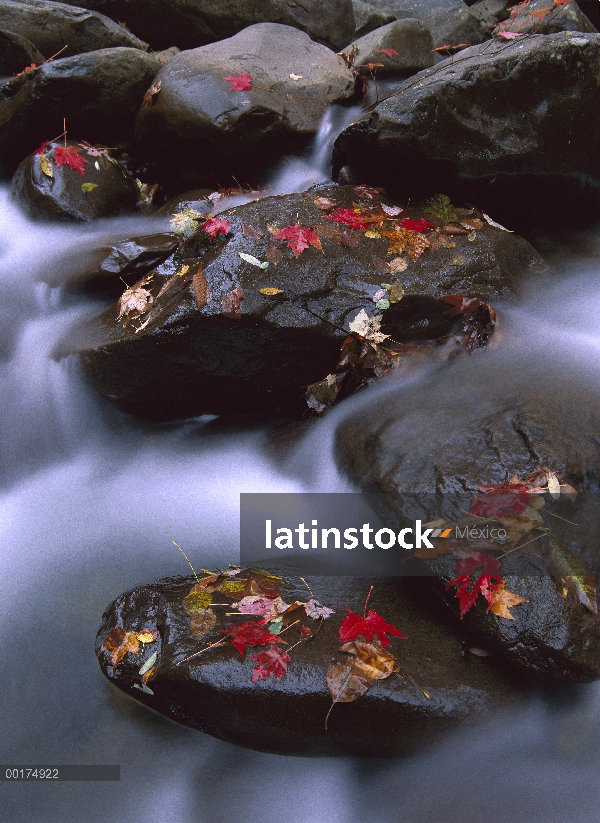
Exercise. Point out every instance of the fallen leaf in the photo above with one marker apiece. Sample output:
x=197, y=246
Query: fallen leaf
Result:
x=487, y=581
x=148, y=98
x=324, y=203
x=397, y=265
x=200, y=286
x=388, y=52
x=322, y=395
x=271, y=661
x=147, y=665
x=46, y=166
x=274, y=254
x=86, y=187
x=43, y=147
x=419, y=225
x=215, y=225
x=202, y=623
x=232, y=303
x=372, y=660
x=252, y=633
x=185, y=223
x=392, y=211
x=368, y=327
x=403, y=240
x=345, y=237
x=509, y=35
x=316, y=610
x=239, y=82
x=349, y=217
x=540, y=13
x=345, y=684
x=250, y=232
x=254, y=261
x=118, y=643
x=69, y=155
x=501, y=601
x=134, y=301
x=269, y=291
x=299, y=238
x=396, y=292
x=369, y=191
x=373, y=624
x=295, y=77
x=372, y=235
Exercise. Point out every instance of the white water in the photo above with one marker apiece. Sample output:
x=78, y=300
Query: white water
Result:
x=90, y=501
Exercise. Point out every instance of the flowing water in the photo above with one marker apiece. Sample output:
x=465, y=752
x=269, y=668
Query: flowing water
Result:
x=90, y=501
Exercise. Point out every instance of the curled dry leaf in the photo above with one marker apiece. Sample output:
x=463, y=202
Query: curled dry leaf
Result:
x=232, y=303
x=493, y=223
x=368, y=327
x=316, y=610
x=134, y=301
x=149, y=96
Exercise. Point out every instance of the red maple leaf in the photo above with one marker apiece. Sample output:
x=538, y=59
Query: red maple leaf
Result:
x=416, y=225
x=70, y=156
x=215, y=225
x=388, y=52
x=488, y=580
x=43, y=147
x=372, y=624
x=239, y=82
x=252, y=633
x=349, y=217
x=270, y=662
x=561, y=2
x=499, y=506
x=298, y=238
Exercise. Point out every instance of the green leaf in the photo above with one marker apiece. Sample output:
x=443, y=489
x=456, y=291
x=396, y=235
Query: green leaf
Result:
x=85, y=187
x=149, y=663
x=383, y=304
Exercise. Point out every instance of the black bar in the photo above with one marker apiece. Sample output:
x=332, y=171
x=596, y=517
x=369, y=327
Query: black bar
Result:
x=41, y=773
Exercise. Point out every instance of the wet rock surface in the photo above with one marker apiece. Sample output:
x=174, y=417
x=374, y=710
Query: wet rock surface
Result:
x=214, y=692
x=492, y=426
x=212, y=342
x=507, y=124
x=368, y=18
x=288, y=82
x=52, y=27
x=544, y=17
x=98, y=93
x=16, y=53
x=409, y=49
x=192, y=23
x=448, y=20
x=84, y=187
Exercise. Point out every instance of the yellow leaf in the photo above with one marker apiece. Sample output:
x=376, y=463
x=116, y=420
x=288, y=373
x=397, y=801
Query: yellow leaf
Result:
x=146, y=636
x=372, y=234
x=270, y=290
x=372, y=660
x=503, y=600
x=46, y=165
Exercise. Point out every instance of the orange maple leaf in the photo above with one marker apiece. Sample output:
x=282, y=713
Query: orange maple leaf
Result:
x=501, y=601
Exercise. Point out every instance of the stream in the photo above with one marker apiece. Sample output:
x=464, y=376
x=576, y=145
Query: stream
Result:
x=90, y=502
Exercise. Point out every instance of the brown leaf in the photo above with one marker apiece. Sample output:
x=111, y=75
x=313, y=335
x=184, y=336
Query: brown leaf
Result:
x=405, y=240
x=202, y=622
x=345, y=237
x=251, y=232
x=345, y=684
x=381, y=265
x=502, y=600
x=201, y=289
x=274, y=254
x=325, y=204
x=232, y=303
x=119, y=643
x=372, y=660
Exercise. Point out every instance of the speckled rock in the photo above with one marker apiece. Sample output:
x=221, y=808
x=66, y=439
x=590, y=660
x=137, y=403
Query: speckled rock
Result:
x=410, y=40
x=448, y=20
x=16, y=53
x=214, y=692
x=553, y=19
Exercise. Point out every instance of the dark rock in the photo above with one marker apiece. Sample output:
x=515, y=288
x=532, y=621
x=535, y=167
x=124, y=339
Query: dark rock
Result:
x=196, y=199
x=508, y=127
x=192, y=23
x=411, y=39
x=508, y=411
x=99, y=93
x=490, y=12
x=368, y=18
x=16, y=53
x=103, y=269
x=563, y=18
x=52, y=26
x=448, y=20
x=46, y=191
x=200, y=132
x=215, y=694
x=188, y=361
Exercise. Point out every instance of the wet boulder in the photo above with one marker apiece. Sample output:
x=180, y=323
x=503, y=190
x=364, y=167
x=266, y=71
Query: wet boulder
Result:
x=105, y=268
x=259, y=700
x=256, y=304
x=16, y=53
x=192, y=23
x=233, y=107
x=544, y=17
x=400, y=48
x=449, y=21
x=508, y=127
x=368, y=18
x=515, y=411
x=54, y=27
x=489, y=13
x=98, y=93
x=72, y=181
